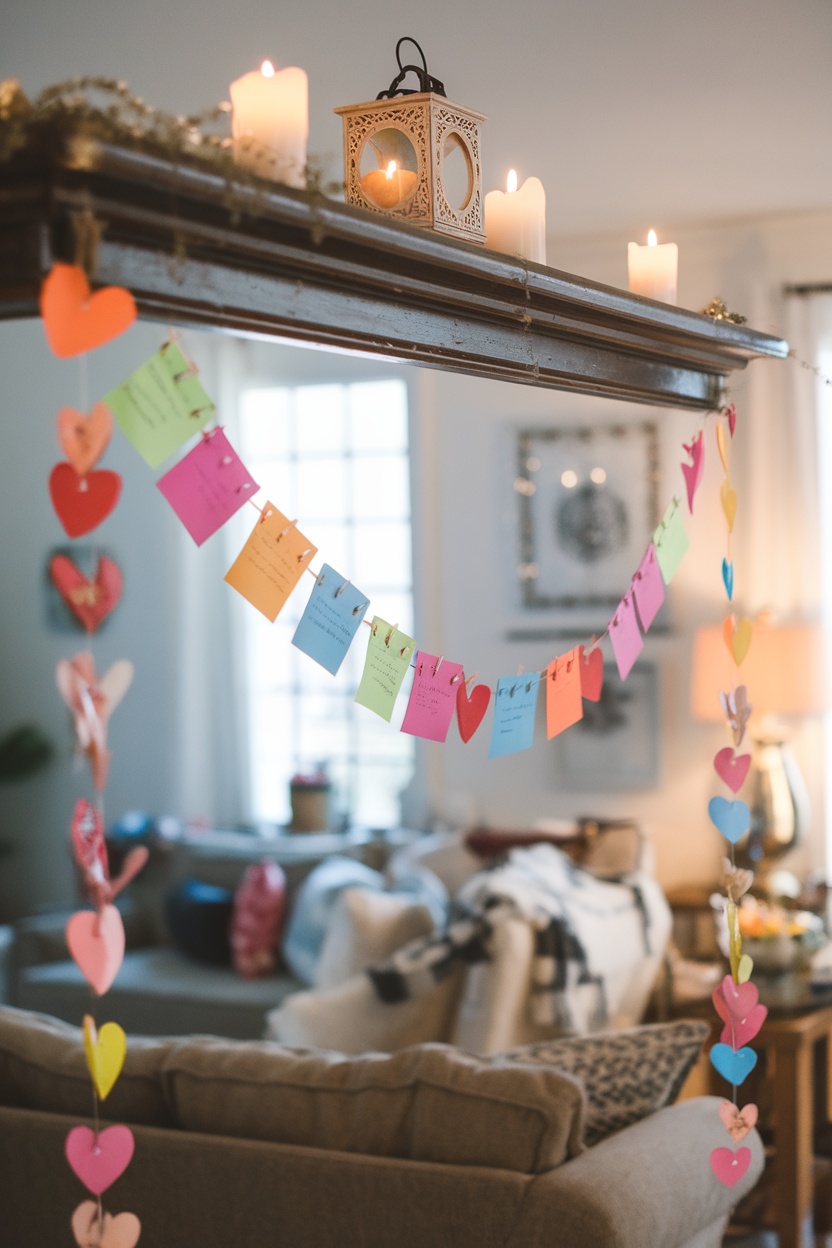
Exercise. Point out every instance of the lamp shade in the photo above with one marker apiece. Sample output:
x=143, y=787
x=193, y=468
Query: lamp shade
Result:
x=784, y=671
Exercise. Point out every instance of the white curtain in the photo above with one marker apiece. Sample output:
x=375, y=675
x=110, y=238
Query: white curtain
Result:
x=213, y=776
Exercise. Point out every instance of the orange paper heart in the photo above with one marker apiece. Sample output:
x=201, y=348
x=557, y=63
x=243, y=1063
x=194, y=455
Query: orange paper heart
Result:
x=84, y=439
x=728, y=498
x=76, y=320
x=722, y=445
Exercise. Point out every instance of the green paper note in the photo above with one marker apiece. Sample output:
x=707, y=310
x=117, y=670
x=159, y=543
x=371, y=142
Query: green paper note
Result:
x=160, y=405
x=671, y=542
x=388, y=657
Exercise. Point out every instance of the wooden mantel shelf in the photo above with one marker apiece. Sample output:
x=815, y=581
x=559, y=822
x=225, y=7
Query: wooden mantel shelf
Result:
x=263, y=259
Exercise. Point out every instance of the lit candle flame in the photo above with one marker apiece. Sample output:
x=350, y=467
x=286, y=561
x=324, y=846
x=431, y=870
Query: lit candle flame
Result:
x=511, y=181
x=651, y=238
x=391, y=169
x=267, y=69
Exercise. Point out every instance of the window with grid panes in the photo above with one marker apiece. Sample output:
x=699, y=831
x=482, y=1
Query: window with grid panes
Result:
x=336, y=458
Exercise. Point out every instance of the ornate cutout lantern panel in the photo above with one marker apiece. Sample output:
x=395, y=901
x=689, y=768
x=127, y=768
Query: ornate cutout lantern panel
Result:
x=415, y=155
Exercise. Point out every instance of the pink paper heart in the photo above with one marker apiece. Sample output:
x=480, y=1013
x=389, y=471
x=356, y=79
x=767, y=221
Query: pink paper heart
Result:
x=734, y=1002
x=730, y=1166
x=96, y=942
x=732, y=768
x=98, y=1160
x=693, y=471
x=739, y=1032
x=738, y=1122
x=121, y=1230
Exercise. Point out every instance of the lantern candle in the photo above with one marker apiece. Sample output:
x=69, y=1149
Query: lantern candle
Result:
x=389, y=187
x=653, y=269
x=515, y=221
x=270, y=123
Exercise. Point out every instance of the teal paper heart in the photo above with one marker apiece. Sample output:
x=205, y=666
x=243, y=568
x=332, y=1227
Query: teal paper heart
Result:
x=732, y=819
x=733, y=1066
x=728, y=578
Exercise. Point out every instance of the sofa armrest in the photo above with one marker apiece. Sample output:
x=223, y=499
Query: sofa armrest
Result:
x=649, y=1186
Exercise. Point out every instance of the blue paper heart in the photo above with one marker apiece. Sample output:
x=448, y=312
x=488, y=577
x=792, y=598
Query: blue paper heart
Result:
x=732, y=819
x=733, y=1066
x=728, y=578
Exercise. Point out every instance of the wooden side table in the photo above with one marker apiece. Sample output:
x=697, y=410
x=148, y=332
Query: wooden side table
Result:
x=788, y=1040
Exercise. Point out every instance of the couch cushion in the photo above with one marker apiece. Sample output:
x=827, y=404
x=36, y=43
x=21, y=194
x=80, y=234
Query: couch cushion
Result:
x=427, y=1103
x=627, y=1074
x=42, y=1066
x=366, y=927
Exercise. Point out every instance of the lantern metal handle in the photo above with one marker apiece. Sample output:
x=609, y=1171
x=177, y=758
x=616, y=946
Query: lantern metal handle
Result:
x=426, y=81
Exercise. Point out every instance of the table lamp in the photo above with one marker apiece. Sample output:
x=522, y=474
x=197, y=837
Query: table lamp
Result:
x=784, y=674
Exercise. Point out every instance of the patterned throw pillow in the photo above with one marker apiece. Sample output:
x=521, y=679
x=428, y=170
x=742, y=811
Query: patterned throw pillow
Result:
x=626, y=1075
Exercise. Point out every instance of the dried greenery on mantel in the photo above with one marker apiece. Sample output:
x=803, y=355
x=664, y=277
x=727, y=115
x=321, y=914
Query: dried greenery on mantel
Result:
x=106, y=109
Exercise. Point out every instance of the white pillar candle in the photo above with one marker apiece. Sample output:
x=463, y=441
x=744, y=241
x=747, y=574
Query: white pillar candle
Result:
x=270, y=123
x=653, y=269
x=515, y=220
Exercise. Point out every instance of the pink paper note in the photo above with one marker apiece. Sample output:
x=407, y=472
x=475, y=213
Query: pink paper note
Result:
x=207, y=486
x=648, y=588
x=626, y=639
x=432, y=698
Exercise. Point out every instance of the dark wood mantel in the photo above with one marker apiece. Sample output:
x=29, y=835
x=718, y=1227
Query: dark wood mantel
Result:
x=263, y=259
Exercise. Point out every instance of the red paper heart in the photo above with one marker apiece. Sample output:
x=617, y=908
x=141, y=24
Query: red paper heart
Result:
x=738, y=1122
x=470, y=712
x=592, y=674
x=732, y=768
x=739, y=1032
x=99, y=1158
x=734, y=1002
x=76, y=320
x=84, y=439
x=730, y=1166
x=91, y=601
x=96, y=942
x=82, y=503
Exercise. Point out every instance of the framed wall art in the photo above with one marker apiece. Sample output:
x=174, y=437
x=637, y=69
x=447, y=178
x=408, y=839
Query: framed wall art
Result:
x=589, y=502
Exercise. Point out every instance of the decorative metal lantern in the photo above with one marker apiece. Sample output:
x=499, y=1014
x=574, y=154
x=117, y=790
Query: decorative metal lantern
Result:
x=415, y=155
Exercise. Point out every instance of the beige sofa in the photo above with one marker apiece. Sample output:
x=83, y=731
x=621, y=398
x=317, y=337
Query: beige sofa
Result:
x=250, y=1143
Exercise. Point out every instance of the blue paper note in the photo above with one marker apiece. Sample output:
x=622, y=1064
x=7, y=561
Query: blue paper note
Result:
x=331, y=619
x=514, y=708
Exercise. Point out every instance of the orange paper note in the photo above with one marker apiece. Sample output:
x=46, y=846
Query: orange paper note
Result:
x=271, y=563
x=563, y=693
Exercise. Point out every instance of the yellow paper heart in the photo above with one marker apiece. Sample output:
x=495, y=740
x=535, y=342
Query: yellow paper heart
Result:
x=105, y=1052
x=722, y=445
x=744, y=969
x=741, y=640
x=729, y=503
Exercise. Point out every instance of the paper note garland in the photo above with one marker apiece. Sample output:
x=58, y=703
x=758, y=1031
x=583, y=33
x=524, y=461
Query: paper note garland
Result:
x=76, y=321
x=158, y=408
